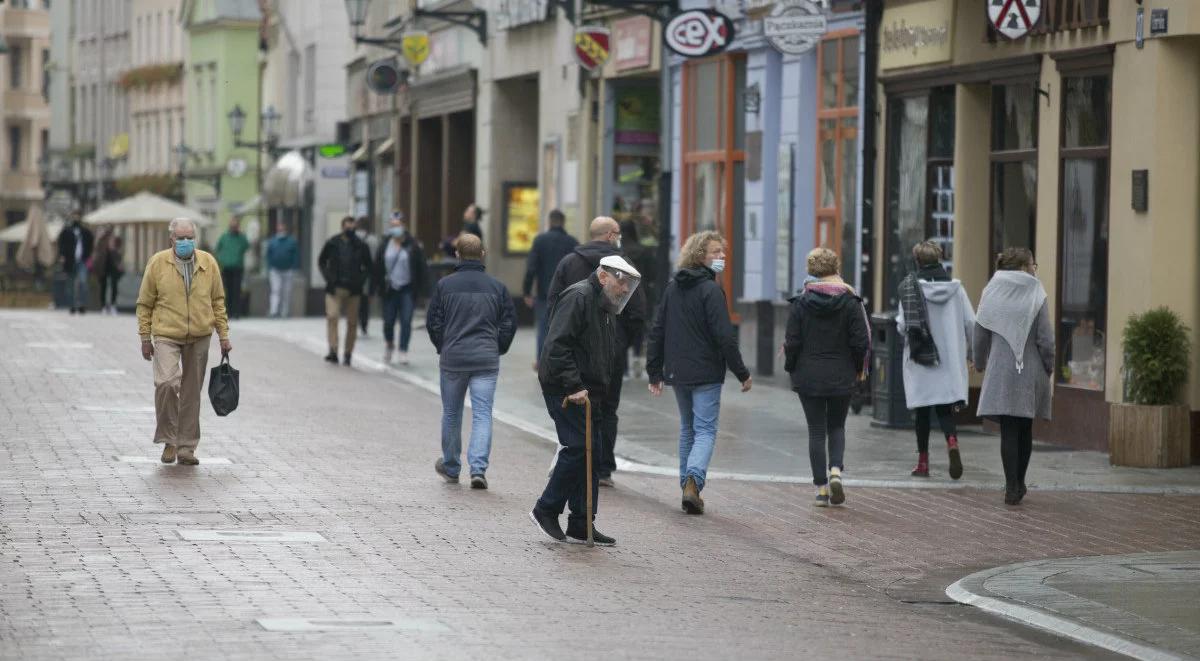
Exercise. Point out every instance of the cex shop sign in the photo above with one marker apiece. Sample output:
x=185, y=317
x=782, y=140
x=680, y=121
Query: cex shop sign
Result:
x=699, y=32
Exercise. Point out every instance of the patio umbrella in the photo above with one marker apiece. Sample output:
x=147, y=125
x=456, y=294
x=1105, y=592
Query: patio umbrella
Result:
x=144, y=207
x=37, y=244
x=16, y=232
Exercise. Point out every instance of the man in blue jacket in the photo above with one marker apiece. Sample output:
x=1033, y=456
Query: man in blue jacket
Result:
x=472, y=322
x=548, y=250
x=283, y=258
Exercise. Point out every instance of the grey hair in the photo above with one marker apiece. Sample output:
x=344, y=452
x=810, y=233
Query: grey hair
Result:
x=177, y=223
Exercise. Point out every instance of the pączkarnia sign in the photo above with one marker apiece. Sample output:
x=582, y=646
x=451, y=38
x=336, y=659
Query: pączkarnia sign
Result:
x=794, y=27
x=916, y=33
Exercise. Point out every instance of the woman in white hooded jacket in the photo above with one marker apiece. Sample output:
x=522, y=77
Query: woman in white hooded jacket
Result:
x=937, y=322
x=1014, y=347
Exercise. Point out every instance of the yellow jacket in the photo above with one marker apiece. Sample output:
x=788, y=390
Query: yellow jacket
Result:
x=166, y=309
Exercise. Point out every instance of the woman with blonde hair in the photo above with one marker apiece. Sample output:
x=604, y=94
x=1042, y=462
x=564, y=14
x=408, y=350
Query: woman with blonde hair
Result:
x=826, y=351
x=695, y=315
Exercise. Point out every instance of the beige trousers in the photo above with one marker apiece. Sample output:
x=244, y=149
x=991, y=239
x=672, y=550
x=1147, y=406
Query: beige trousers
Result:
x=178, y=382
x=342, y=301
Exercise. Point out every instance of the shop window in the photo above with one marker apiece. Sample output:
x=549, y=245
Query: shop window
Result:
x=837, y=149
x=713, y=151
x=1014, y=166
x=1083, y=248
x=920, y=180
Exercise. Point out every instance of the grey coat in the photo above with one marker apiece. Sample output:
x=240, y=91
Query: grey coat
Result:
x=1024, y=394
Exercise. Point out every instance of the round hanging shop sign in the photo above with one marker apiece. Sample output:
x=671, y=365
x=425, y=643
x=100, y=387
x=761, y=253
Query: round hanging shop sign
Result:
x=1014, y=18
x=794, y=27
x=698, y=32
x=591, y=46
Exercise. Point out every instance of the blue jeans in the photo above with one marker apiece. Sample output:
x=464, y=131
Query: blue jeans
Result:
x=398, y=303
x=483, y=393
x=79, y=286
x=541, y=313
x=699, y=411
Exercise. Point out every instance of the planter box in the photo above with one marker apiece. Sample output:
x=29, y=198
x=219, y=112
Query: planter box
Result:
x=1149, y=436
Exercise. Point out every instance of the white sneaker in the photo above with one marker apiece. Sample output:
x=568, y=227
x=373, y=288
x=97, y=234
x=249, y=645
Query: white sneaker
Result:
x=387, y=357
x=403, y=357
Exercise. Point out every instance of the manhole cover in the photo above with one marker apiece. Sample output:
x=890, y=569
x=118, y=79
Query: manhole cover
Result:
x=264, y=536
x=302, y=624
x=154, y=460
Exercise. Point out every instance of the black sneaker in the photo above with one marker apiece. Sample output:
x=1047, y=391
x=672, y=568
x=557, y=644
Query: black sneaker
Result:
x=548, y=524
x=331, y=357
x=440, y=467
x=478, y=481
x=345, y=360
x=579, y=536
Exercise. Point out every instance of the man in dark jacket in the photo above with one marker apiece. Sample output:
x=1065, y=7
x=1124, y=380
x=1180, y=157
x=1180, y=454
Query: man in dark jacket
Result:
x=471, y=321
x=576, y=364
x=548, y=249
x=345, y=262
x=579, y=265
x=399, y=278
x=703, y=344
x=75, y=245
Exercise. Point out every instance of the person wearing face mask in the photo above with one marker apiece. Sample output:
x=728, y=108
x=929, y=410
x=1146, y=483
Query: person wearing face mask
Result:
x=75, y=245
x=399, y=278
x=180, y=303
x=345, y=263
x=703, y=344
x=283, y=258
x=577, y=365
x=362, y=229
x=579, y=265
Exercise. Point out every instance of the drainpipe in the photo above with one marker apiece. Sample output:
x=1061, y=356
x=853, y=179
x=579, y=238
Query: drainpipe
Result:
x=873, y=15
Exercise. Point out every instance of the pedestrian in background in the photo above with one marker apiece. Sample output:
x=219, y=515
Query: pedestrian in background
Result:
x=400, y=276
x=362, y=230
x=643, y=259
x=108, y=265
x=471, y=322
x=180, y=303
x=702, y=344
x=577, y=266
x=231, y=255
x=1014, y=347
x=345, y=262
x=75, y=244
x=283, y=258
x=576, y=364
x=472, y=219
x=936, y=322
x=548, y=249
x=825, y=351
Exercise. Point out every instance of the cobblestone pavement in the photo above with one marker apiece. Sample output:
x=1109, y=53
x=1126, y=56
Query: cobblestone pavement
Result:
x=103, y=552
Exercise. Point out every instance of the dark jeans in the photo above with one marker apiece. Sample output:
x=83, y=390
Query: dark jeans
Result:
x=398, y=304
x=607, y=410
x=232, y=278
x=109, y=281
x=945, y=416
x=1016, y=447
x=364, y=311
x=541, y=315
x=825, y=416
x=567, y=483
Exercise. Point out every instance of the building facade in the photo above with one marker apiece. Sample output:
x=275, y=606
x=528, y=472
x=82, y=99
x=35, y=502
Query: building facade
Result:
x=26, y=31
x=1076, y=140
x=155, y=86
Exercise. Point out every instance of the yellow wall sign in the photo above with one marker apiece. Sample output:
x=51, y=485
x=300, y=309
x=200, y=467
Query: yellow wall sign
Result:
x=416, y=47
x=118, y=147
x=916, y=33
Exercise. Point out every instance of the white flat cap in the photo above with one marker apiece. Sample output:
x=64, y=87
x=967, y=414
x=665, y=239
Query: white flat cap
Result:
x=618, y=263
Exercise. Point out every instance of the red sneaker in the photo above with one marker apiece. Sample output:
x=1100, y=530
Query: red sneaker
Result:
x=956, y=467
x=922, y=469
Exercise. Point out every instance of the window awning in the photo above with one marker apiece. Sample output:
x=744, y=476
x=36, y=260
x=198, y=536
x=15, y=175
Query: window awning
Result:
x=361, y=154
x=385, y=149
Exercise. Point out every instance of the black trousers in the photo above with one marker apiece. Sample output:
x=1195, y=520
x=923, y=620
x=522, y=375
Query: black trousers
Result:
x=945, y=416
x=826, y=416
x=364, y=312
x=1016, y=447
x=108, y=283
x=607, y=409
x=232, y=278
x=568, y=481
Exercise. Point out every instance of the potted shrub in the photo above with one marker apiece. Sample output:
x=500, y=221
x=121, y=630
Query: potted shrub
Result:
x=1153, y=430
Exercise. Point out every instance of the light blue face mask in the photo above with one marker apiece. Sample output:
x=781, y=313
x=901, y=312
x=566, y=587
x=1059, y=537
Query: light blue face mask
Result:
x=717, y=265
x=396, y=232
x=185, y=248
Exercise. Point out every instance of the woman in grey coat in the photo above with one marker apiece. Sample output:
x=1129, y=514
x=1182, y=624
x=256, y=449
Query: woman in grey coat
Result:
x=1014, y=347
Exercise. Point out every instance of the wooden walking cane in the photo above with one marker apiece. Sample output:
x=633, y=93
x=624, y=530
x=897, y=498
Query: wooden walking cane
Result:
x=587, y=450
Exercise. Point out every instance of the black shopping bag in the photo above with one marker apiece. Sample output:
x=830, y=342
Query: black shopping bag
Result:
x=223, y=387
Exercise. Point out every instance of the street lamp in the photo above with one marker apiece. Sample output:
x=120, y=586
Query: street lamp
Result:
x=237, y=121
x=270, y=123
x=472, y=19
x=357, y=11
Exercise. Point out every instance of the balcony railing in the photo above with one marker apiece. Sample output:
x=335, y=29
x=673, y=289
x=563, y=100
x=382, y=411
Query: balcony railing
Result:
x=25, y=23
x=28, y=104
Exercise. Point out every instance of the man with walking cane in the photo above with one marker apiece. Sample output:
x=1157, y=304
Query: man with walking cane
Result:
x=575, y=369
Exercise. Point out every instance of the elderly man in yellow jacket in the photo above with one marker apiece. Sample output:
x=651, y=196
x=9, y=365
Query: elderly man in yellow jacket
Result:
x=181, y=301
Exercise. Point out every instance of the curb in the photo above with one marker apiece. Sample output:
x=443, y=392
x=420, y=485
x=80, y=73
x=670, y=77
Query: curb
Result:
x=970, y=591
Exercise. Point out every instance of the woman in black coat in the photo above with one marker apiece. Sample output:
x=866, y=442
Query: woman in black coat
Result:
x=826, y=350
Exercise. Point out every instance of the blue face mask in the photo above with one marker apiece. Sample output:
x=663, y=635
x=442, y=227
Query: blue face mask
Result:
x=185, y=248
x=396, y=232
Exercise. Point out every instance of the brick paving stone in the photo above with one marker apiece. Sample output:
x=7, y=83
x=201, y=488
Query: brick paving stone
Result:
x=91, y=566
